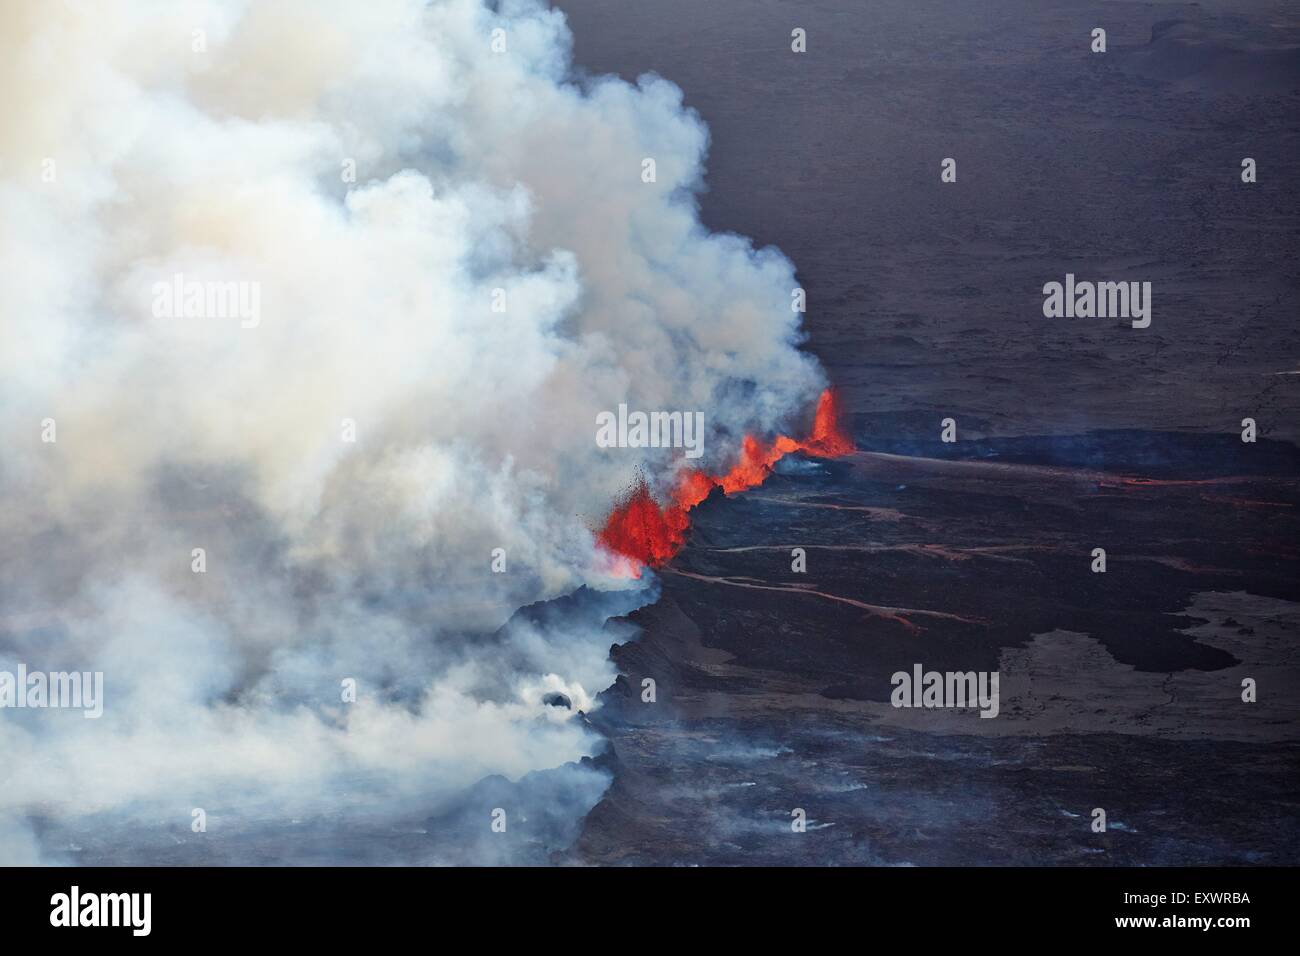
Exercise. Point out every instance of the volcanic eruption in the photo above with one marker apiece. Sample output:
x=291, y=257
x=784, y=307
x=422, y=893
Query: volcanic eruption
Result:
x=641, y=531
x=375, y=507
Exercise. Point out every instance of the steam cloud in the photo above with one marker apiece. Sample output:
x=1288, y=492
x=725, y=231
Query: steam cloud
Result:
x=327, y=559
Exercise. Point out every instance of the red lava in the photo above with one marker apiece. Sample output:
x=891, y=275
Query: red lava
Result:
x=641, y=531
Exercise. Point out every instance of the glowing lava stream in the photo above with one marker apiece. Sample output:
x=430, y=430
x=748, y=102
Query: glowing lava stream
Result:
x=640, y=531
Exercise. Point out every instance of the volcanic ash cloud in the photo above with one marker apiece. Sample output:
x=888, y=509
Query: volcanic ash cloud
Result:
x=424, y=257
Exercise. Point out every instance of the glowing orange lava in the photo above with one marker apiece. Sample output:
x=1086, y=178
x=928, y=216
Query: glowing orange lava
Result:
x=640, y=531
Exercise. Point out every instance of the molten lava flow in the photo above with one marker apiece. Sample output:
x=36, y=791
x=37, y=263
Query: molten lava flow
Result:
x=641, y=531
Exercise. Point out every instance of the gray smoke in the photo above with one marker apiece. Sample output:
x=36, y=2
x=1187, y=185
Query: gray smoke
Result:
x=141, y=141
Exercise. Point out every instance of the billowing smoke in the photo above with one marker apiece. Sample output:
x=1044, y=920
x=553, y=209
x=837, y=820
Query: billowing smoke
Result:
x=416, y=256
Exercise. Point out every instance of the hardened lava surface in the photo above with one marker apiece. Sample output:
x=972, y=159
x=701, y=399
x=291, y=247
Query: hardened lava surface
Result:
x=1119, y=690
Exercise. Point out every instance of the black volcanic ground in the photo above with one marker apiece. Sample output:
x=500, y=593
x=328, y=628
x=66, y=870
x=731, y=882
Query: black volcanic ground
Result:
x=924, y=298
x=1119, y=690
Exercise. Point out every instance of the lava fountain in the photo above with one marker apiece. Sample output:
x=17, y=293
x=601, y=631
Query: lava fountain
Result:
x=641, y=531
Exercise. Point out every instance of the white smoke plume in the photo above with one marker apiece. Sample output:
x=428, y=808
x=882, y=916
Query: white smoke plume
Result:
x=215, y=140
